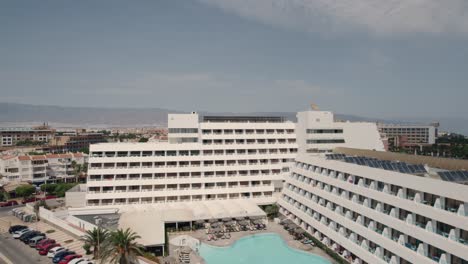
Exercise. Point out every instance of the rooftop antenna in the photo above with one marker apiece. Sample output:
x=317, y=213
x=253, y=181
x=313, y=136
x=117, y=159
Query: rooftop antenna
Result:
x=314, y=107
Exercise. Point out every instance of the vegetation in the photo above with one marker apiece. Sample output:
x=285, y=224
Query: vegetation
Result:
x=272, y=211
x=50, y=231
x=105, y=132
x=150, y=256
x=4, y=196
x=337, y=257
x=143, y=140
x=38, y=205
x=96, y=240
x=25, y=190
x=449, y=146
x=32, y=153
x=87, y=249
x=122, y=247
x=57, y=189
x=79, y=170
x=119, y=246
x=84, y=150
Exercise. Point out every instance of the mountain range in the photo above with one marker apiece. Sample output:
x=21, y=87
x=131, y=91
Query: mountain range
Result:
x=13, y=114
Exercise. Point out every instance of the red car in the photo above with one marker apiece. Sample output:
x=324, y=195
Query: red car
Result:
x=29, y=200
x=68, y=258
x=46, y=249
x=48, y=197
x=44, y=243
x=9, y=203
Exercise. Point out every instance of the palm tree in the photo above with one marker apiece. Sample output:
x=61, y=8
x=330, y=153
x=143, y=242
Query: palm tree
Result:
x=97, y=239
x=79, y=170
x=122, y=247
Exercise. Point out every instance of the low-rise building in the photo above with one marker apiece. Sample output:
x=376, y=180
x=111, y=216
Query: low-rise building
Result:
x=38, y=169
x=402, y=135
x=11, y=136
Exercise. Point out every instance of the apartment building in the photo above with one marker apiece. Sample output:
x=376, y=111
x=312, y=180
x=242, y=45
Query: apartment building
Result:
x=213, y=158
x=409, y=135
x=39, y=168
x=10, y=136
x=380, y=211
x=74, y=142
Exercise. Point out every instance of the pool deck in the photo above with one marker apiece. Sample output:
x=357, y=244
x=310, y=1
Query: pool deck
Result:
x=272, y=227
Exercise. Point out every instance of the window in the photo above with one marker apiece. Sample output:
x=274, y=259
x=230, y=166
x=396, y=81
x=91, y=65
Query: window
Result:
x=325, y=141
x=324, y=131
x=183, y=130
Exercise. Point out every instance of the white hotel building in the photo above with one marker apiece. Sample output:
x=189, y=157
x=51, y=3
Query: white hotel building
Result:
x=217, y=158
x=376, y=215
x=367, y=214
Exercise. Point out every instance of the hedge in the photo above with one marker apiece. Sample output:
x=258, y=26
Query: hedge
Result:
x=338, y=258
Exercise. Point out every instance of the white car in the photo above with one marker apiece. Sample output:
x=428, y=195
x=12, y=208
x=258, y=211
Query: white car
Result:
x=80, y=261
x=19, y=233
x=54, y=251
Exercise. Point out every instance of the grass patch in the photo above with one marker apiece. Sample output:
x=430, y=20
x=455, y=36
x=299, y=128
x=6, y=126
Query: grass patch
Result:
x=50, y=231
x=68, y=241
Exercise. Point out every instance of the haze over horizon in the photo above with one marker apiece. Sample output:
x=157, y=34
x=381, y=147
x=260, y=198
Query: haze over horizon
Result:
x=381, y=59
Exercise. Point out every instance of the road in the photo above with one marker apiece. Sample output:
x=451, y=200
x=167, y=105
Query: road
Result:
x=6, y=210
x=13, y=251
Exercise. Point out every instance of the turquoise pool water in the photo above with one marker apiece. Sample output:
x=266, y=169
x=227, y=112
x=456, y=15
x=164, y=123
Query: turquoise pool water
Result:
x=258, y=249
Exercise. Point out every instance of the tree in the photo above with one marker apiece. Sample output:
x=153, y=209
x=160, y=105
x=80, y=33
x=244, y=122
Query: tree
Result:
x=38, y=205
x=79, y=170
x=25, y=190
x=272, y=210
x=84, y=150
x=97, y=239
x=122, y=247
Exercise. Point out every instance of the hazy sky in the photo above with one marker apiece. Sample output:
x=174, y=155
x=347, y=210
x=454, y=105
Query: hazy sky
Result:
x=377, y=58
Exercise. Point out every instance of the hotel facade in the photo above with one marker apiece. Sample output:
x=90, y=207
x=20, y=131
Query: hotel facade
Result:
x=372, y=215
x=214, y=158
x=366, y=209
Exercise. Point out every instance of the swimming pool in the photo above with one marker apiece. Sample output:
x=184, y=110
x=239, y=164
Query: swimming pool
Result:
x=258, y=249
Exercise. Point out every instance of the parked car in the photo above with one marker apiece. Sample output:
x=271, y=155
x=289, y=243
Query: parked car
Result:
x=68, y=258
x=33, y=241
x=54, y=251
x=45, y=250
x=48, y=197
x=60, y=255
x=15, y=228
x=29, y=200
x=9, y=203
x=21, y=232
x=44, y=243
x=25, y=238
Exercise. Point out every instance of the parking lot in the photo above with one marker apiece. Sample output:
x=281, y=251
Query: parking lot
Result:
x=17, y=252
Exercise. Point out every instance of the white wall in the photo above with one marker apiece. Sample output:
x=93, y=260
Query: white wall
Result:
x=363, y=135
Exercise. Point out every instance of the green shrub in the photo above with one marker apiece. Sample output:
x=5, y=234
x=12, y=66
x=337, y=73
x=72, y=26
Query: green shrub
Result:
x=57, y=189
x=339, y=259
x=87, y=248
x=50, y=231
